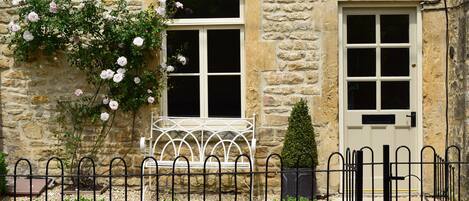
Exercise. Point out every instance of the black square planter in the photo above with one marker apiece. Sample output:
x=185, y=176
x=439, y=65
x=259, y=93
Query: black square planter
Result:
x=307, y=186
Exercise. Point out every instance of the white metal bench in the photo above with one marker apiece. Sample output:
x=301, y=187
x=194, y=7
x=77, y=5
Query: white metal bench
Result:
x=197, y=139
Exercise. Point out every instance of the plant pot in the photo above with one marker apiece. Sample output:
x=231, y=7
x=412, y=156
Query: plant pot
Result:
x=307, y=186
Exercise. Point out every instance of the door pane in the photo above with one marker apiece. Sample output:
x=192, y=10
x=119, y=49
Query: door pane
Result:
x=224, y=51
x=224, y=96
x=183, y=96
x=395, y=62
x=361, y=29
x=361, y=95
x=207, y=9
x=361, y=62
x=394, y=28
x=395, y=95
x=185, y=43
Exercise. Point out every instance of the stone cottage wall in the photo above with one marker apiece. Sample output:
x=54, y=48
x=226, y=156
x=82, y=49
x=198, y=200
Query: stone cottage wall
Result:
x=464, y=140
x=29, y=94
x=291, y=53
x=459, y=101
x=459, y=20
x=304, y=35
x=303, y=43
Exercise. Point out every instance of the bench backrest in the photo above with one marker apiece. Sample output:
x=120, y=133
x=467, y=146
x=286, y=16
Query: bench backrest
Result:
x=198, y=138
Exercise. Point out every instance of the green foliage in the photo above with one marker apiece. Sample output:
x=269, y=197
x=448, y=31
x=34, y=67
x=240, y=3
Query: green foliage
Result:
x=93, y=37
x=300, y=139
x=50, y=32
x=77, y=114
x=3, y=173
x=299, y=199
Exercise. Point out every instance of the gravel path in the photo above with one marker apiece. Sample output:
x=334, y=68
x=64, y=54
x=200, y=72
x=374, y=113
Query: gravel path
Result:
x=134, y=195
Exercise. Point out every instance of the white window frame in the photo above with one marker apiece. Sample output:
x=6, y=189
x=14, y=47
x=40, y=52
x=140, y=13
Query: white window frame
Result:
x=212, y=21
x=203, y=25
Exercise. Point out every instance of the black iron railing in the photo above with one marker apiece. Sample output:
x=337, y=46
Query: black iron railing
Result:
x=443, y=178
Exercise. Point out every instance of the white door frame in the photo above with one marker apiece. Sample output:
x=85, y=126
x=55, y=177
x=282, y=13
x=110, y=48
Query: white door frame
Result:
x=394, y=5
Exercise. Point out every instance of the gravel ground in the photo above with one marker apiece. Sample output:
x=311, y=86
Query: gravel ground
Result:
x=134, y=195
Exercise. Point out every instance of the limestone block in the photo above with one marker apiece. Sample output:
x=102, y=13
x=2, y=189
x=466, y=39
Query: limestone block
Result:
x=262, y=152
x=279, y=17
x=311, y=77
x=273, y=36
x=14, y=83
x=39, y=99
x=270, y=7
x=26, y=116
x=275, y=120
x=16, y=74
x=286, y=1
x=270, y=101
x=276, y=111
x=310, y=90
x=303, y=35
x=6, y=62
x=296, y=65
x=275, y=78
x=291, y=56
x=4, y=29
x=283, y=90
x=299, y=16
x=4, y=17
x=33, y=131
x=292, y=100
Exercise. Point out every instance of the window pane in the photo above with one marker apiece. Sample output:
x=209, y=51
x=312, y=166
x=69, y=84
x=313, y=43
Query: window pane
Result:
x=395, y=62
x=224, y=96
x=185, y=43
x=395, y=95
x=394, y=28
x=361, y=95
x=207, y=9
x=224, y=51
x=361, y=62
x=361, y=29
x=183, y=96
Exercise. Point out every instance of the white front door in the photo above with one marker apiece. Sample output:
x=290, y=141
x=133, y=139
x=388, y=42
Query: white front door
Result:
x=379, y=91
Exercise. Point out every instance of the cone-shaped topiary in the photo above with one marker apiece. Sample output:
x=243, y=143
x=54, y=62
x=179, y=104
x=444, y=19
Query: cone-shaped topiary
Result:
x=299, y=140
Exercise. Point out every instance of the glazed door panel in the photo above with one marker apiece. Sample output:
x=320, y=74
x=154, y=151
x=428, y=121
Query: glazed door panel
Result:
x=380, y=86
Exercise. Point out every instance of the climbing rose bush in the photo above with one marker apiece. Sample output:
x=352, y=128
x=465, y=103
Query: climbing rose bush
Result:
x=114, y=47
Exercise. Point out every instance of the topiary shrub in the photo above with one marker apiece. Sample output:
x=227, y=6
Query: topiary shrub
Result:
x=299, y=140
x=290, y=198
x=3, y=173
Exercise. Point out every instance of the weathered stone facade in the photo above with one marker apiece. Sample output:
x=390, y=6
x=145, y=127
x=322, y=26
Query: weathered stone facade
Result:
x=458, y=71
x=297, y=31
x=295, y=43
x=30, y=92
